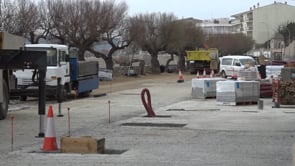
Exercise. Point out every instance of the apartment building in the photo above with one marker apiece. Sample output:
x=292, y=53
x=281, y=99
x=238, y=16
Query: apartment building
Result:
x=262, y=23
x=216, y=26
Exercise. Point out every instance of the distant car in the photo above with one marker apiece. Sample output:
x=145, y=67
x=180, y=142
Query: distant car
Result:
x=273, y=70
x=232, y=64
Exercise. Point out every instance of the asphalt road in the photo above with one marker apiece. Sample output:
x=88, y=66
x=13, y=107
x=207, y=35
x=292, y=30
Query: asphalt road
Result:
x=187, y=132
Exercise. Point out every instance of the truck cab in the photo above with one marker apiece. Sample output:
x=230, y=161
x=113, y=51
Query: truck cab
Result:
x=58, y=69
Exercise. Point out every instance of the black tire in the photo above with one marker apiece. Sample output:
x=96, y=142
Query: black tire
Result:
x=84, y=94
x=23, y=98
x=4, y=105
x=223, y=74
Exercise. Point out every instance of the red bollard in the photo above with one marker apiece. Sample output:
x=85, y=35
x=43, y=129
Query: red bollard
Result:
x=147, y=104
x=69, y=122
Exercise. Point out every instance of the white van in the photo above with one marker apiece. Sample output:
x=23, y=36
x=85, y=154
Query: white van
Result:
x=232, y=64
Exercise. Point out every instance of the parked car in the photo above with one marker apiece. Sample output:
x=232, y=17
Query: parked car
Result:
x=232, y=64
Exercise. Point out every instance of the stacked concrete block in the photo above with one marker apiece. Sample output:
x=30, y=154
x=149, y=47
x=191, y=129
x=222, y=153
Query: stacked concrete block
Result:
x=204, y=87
x=247, y=75
x=235, y=92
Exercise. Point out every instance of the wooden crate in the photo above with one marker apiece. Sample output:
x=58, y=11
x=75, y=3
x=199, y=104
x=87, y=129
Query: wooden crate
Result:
x=83, y=145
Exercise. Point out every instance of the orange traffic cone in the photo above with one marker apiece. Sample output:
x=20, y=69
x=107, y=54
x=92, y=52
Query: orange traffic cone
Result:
x=180, y=77
x=50, y=138
x=204, y=73
x=198, y=74
x=212, y=73
x=235, y=76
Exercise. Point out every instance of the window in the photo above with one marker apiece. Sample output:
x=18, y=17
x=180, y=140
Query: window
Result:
x=62, y=56
x=247, y=61
x=226, y=61
x=236, y=63
x=51, y=54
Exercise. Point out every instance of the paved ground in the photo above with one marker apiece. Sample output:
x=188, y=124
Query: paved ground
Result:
x=211, y=134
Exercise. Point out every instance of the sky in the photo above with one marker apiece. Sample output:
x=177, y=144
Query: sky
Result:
x=198, y=9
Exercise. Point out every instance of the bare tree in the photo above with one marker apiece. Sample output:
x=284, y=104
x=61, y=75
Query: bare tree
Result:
x=20, y=17
x=288, y=32
x=83, y=24
x=149, y=32
x=77, y=23
x=115, y=31
x=184, y=35
x=231, y=43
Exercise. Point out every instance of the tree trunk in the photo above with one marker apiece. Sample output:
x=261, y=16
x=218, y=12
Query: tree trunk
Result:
x=81, y=54
x=109, y=63
x=168, y=62
x=155, y=64
x=181, y=62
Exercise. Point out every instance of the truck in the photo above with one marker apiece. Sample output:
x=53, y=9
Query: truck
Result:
x=64, y=74
x=7, y=41
x=202, y=59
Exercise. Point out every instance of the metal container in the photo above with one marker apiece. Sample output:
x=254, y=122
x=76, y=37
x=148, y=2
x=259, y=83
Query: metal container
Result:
x=260, y=104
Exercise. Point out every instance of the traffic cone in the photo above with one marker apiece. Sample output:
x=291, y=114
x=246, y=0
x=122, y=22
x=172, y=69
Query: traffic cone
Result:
x=235, y=76
x=50, y=138
x=198, y=74
x=180, y=77
x=212, y=73
x=204, y=73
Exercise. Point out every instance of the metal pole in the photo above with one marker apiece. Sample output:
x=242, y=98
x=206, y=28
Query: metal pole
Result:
x=59, y=97
x=11, y=118
x=69, y=122
x=42, y=94
x=109, y=102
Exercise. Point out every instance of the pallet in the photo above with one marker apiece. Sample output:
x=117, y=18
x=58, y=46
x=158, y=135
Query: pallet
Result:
x=247, y=103
x=237, y=103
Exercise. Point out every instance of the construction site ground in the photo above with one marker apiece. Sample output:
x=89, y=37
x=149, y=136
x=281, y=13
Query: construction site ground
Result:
x=186, y=132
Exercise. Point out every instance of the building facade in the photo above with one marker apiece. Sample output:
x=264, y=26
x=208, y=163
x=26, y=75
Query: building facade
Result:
x=262, y=23
x=216, y=26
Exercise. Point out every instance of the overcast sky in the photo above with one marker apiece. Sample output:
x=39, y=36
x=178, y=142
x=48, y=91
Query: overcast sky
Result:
x=199, y=9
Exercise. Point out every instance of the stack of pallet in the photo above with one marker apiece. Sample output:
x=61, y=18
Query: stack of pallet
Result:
x=286, y=87
x=287, y=92
x=204, y=87
x=236, y=92
x=247, y=75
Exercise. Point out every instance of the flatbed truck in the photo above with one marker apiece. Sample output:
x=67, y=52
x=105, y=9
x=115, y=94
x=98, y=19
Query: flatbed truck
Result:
x=64, y=74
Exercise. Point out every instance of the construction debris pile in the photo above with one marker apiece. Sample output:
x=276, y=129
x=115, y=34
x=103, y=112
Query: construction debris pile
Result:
x=287, y=92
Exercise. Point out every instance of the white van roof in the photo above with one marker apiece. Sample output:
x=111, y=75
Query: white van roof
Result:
x=238, y=56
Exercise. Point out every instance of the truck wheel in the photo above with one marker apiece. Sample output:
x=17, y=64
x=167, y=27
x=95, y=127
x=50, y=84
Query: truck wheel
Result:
x=223, y=74
x=84, y=94
x=4, y=105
